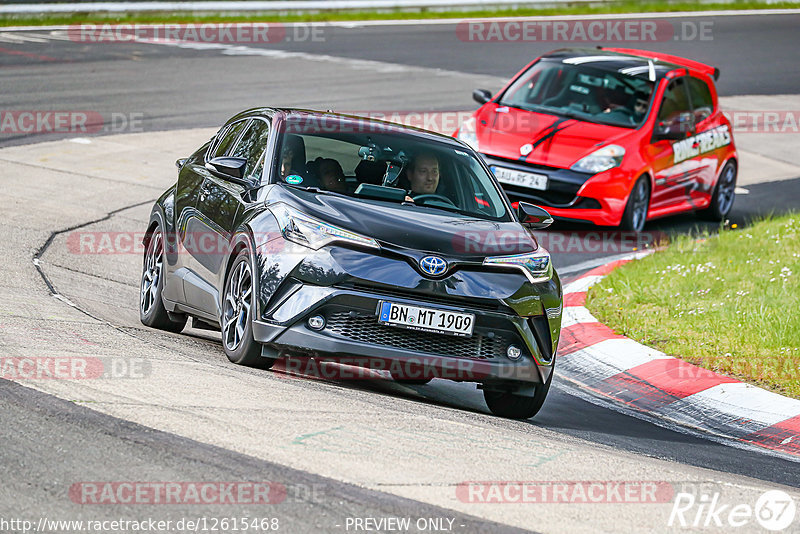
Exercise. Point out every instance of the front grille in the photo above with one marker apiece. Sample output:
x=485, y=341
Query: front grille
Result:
x=433, y=298
x=551, y=197
x=366, y=329
x=562, y=184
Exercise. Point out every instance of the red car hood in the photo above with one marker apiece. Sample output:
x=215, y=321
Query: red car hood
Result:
x=555, y=141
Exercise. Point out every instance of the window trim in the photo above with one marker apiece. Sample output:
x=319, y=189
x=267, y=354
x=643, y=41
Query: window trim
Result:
x=222, y=133
x=266, y=147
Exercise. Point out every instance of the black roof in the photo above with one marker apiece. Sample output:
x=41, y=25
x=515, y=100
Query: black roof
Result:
x=310, y=114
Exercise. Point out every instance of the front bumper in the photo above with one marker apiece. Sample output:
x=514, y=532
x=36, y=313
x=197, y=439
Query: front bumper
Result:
x=353, y=335
x=597, y=199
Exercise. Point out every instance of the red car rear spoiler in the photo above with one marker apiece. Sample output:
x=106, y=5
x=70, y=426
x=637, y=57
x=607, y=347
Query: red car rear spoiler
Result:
x=708, y=70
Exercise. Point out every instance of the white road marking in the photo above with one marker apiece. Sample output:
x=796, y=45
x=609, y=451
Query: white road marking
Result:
x=576, y=314
x=17, y=38
x=582, y=284
x=597, y=262
x=744, y=402
x=608, y=358
x=365, y=64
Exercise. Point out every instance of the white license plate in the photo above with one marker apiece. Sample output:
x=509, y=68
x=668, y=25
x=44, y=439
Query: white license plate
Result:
x=522, y=179
x=426, y=319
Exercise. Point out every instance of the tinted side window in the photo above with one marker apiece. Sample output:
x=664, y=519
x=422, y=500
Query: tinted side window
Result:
x=675, y=111
x=675, y=101
x=252, y=144
x=701, y=99
x=229, y=137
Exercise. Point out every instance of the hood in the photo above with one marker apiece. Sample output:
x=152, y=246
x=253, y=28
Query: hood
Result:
x=409, y=227
x=555, y=141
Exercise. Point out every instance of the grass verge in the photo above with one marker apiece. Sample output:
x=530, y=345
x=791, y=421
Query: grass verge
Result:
x=624, y=6
x=729, y=303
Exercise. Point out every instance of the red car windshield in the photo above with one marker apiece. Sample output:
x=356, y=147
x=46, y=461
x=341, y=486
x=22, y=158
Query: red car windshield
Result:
x=582, y=92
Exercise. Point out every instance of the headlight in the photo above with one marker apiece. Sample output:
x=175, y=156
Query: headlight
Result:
x=299, y=228
x=468, y=134
x=600, y=160
x=536, y=265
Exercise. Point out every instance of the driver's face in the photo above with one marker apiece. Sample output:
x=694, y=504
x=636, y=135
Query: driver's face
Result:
x=425, y=176
x=640, y=108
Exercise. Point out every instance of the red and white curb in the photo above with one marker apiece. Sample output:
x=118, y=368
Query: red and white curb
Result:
x=650, y=382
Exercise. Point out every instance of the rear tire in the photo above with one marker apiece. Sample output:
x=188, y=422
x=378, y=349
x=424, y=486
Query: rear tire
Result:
x=152, y=312
x=635, y=215
x=723, y=196
x=511, y=406
x=237, y=316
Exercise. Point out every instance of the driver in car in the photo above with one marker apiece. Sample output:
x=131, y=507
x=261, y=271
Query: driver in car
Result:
x=640, y=106
x=423, y=174
x=632, y=113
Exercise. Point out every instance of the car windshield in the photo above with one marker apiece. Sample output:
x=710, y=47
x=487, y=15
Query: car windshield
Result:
x=379, y=162
x=580, y=91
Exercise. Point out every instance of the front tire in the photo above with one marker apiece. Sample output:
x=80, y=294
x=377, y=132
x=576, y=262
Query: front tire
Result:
x=152, y=312
x=237, y=316
x=511, y=406
x=638, y=205
x=723, y=196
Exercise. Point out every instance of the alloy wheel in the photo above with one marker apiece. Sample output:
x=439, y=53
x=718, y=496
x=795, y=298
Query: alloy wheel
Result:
x=236, y=307
x=151, y=275
x=640, y=204
x=726, y=189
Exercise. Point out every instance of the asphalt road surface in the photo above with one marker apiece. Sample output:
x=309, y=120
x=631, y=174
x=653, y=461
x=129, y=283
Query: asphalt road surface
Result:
x=342, y=448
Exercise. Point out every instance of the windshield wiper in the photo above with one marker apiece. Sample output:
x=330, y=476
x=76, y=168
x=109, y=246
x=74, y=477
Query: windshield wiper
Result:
x=546, y=109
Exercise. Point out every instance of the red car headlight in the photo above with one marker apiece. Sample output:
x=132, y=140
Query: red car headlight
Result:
x=600, y=160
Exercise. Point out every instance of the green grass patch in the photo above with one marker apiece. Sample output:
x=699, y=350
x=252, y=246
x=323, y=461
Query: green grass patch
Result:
x=330, y=16
x=728, y=302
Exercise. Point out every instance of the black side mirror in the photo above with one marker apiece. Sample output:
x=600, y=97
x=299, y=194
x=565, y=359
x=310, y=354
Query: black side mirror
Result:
x=663, y=131
x=675, y=129
x=181, y=162
x=481, y=96
x=534, y=217
x=231, y=169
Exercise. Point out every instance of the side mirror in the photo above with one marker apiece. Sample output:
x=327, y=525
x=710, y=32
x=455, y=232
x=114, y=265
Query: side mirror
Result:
x=534, y=217
x=481, y=96
x=674, y=129
x=663, y=131
x=181, y=162
x=231, y=169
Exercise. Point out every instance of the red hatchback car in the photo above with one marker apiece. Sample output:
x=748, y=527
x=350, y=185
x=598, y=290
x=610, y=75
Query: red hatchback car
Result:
x=614, y=137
